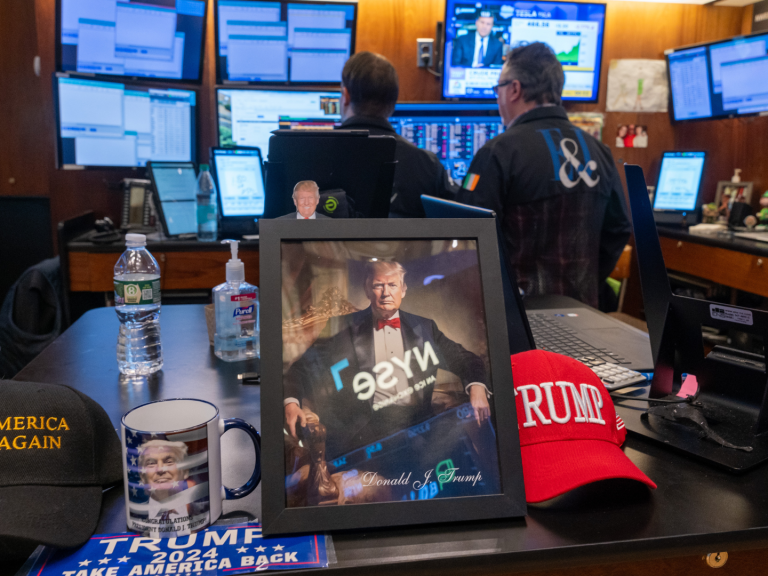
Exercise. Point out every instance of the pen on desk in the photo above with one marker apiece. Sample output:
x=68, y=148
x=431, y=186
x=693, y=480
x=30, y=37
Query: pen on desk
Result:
x=250, y=377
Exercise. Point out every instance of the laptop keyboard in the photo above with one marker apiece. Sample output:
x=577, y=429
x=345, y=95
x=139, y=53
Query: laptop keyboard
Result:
x=554, y=336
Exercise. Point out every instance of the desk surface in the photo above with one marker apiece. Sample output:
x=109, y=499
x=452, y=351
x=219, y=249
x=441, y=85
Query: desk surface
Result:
x=695, y=510
x=725, y=242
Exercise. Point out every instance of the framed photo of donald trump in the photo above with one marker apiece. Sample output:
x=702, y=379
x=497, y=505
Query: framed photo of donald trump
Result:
x=387, y=392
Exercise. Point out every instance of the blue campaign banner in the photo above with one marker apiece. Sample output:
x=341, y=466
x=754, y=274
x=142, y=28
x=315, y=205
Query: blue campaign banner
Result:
x=217, y=551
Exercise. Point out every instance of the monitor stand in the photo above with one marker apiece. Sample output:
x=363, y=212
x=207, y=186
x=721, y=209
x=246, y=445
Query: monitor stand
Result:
x=731, y=384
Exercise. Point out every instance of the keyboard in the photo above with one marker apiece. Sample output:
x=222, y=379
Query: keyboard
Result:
x=551, y=335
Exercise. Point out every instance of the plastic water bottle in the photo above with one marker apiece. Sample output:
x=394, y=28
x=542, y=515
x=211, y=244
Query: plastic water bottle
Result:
x=207, y=223
x=137, y=301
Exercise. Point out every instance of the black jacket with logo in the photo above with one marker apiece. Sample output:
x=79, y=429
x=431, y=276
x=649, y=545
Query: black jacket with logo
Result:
x=560, y=200
x=417, y=172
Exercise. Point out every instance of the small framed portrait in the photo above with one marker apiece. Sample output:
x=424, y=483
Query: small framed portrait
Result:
x=387, y=392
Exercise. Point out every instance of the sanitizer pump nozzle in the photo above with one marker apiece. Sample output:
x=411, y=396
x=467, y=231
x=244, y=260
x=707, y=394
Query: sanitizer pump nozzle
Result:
x=235, y=266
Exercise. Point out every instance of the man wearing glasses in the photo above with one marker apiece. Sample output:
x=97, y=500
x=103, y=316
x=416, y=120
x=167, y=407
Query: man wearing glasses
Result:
x=555, y=187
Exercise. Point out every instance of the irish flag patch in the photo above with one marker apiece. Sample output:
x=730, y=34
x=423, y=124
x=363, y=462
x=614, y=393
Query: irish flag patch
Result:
x=470, y=181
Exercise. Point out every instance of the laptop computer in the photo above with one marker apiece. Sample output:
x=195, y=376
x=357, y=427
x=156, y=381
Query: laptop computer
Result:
x=558, y=323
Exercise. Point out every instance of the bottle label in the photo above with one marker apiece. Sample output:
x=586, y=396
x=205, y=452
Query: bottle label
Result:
x=206, y=213
x=137, y=292
x=240, y=297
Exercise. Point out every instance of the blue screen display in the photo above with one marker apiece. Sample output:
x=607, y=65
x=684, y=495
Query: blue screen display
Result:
x=454, y=132
x=150, y=38
x=478, y=36
x=262, y=41
x=721, y=79
x=679, y=181
x=116, y=124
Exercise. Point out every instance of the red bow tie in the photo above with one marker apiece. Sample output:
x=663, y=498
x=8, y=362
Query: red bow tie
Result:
x=394, y=322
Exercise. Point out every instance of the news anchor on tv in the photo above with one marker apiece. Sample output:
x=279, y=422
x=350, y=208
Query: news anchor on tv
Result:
x=480, y=49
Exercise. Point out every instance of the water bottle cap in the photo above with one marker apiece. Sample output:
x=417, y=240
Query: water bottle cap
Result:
x=135, y=240
x=203, y=167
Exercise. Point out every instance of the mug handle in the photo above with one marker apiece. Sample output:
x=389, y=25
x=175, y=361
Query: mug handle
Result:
x=250, y=486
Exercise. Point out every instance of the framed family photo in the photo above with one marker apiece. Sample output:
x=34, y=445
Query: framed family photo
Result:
x=386, y=389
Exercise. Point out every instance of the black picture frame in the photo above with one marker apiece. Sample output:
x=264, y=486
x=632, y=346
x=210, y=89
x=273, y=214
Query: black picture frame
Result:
x=277, y=518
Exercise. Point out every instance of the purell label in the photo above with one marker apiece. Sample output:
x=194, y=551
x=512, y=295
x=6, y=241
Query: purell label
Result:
x=720, y=312
x=244, y=313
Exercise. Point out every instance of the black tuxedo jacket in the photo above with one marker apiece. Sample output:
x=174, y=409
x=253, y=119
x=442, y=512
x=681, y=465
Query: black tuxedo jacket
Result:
x=464, y=51
x=334, y=400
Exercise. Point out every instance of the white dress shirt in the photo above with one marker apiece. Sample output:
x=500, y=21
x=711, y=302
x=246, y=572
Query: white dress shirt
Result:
x=388, y=344
x=300, y=217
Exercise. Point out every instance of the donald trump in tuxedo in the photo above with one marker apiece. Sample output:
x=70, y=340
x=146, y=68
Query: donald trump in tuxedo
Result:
x=375, y=376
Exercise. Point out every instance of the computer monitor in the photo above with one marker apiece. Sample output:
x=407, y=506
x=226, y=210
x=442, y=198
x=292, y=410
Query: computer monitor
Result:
x=239, y=174
x=518, y=329
x=677, y=192
x=111, y=124
x=248, y=117
x=573, y=30
x=174, y=187
x=287, y=42
x=453, y=131
x=720, y=79
x=134, y=38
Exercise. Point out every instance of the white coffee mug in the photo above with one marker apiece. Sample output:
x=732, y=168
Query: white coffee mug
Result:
x=172, y=466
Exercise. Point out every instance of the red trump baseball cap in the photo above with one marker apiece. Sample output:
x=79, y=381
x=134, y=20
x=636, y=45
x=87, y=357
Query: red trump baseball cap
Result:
x=570, y=434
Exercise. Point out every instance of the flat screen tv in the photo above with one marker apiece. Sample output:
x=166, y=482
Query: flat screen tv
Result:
x=161, y=39
x=287, y=42
x=116, y=124
x=479, y=35
x=719, y=79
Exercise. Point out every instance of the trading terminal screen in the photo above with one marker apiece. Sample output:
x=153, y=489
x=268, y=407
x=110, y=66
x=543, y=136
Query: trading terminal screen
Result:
x=679, y=181
x=284, y=42
x=248, y=117
x=116, y=124
x=146, y=38
x=454, y=132
x=720, y=79
x=239, y=174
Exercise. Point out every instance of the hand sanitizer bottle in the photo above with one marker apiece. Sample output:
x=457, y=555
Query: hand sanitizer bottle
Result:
x=237, y=313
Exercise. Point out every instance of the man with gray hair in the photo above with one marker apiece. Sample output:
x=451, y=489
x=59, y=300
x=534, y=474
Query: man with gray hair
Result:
x=306, y=196
x=375, y=376
x=555, y=187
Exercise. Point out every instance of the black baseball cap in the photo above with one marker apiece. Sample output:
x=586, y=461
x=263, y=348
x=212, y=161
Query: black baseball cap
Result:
x=58, y=449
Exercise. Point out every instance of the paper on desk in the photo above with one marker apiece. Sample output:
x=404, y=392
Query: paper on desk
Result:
x=216, y=551
x=689, y=387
